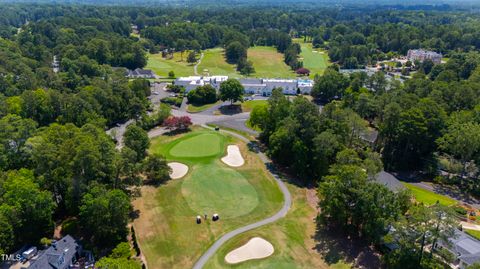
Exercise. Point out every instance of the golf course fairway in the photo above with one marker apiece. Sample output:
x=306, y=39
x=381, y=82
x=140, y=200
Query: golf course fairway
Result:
x=170, y=237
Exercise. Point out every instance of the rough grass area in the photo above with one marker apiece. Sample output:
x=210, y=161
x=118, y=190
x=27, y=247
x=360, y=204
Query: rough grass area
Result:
x=316, y=60
x=166, y=228
x=268, y=63
x=428, y=197
x=214, y=61
x=291, y=237
x=162, y=66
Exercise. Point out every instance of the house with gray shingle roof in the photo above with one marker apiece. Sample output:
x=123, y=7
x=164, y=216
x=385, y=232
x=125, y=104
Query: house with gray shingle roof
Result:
x=464, y=247
x=140, y=73
x=389, y=181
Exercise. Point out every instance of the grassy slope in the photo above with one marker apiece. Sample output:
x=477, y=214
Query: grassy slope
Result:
x=428, y=197
x=167, y=232
x=292, y=238
x=316, y=60
x=268, y=63
x=214, y=61
x=162, y=66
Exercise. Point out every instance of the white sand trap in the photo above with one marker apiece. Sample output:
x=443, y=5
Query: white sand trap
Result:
x=179, y=170
x=234, y=157
x=255, y=248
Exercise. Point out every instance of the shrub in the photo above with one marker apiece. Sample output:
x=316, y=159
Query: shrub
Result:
x=175, y=88
x=175, y=101
x=460, y=210
x=446, y=255
x=177, y=123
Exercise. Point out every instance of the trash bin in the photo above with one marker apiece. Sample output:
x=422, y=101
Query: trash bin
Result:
x=215, y=217
x=199, y=219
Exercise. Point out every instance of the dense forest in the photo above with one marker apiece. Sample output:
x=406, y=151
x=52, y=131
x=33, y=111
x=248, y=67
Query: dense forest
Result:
x=57, y=161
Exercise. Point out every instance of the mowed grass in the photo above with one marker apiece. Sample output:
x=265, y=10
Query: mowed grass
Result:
x=214, y=188
x=166, y=230
x=268, y=63
x=198, y=145
x=248, y=106
x=474, y=233
x=292, y=238
x=214, y=61
x=162, y=66
x=316, y=60
x=428, y=197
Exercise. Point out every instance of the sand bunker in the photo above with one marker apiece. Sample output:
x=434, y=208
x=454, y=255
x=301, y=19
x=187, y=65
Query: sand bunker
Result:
x=234, y=157
x=179, y=170
x=256, y=248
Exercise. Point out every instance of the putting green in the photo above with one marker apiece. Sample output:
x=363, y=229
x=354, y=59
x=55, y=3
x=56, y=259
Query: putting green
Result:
x=215, y=189
x=199, y=145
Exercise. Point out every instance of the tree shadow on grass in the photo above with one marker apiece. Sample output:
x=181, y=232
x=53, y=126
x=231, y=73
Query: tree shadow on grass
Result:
x=335, y=246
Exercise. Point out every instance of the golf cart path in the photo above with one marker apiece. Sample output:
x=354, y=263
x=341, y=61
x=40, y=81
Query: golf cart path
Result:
x=280, y=214
x=197, y=64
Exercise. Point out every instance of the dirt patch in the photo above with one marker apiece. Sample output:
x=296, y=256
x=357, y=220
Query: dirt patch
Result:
x=312, y=199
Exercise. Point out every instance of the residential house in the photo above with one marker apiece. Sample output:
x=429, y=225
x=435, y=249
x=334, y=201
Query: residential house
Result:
x=140, y=73
x=465, y=248
x=65, y=253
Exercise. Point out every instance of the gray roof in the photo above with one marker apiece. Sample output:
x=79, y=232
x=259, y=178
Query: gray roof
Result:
x=57, y=256
x=254, y=81
x=389, y=181
x=465, y=247
x=369, y=135
x=140, y=72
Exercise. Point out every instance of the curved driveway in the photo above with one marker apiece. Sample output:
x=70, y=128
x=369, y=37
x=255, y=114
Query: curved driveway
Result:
x=280, y=214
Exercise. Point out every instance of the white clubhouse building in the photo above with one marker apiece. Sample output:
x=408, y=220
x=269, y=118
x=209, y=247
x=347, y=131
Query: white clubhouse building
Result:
x=252, y=85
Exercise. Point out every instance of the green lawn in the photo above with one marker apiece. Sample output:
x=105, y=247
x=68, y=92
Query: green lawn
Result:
x=473, y=233
x=268, y=63
x=198, y=145
x=428, y=197
x=250, y=105
x=193, y=108
x=162, y=66
x=316, y=60
x=214, y=61
x=169, y=236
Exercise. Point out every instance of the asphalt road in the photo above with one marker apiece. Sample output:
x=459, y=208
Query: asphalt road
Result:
x=280, y=214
